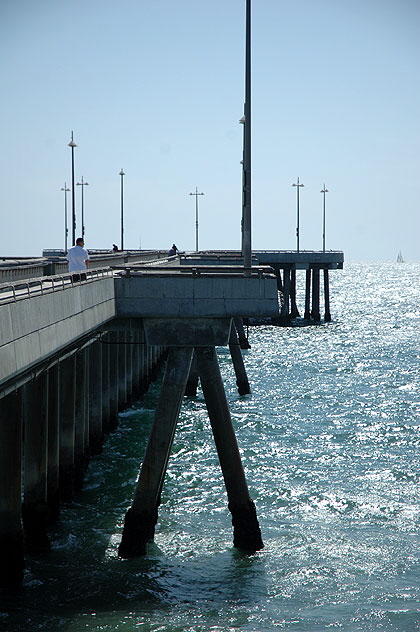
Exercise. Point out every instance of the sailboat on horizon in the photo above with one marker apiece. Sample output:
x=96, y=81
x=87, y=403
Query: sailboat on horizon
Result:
x=400, y=258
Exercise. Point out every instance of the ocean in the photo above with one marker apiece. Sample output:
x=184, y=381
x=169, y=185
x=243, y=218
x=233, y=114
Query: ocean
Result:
x=329, y=438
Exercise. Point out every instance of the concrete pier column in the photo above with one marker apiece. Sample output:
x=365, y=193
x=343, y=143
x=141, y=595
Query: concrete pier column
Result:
x=81, y=454
x=246, y=530
x=316, y=314
x=113, y=380
x=67, y=426
x=96, y=436
x=105, y=386
x=192, y=382
x=238, y=363
x=240, y=330
x=11, y=531
x=308, y=295
x=327, y=314
x=35, y=420
x=294, y=312
x=141, y=518
x=53, y=478
x=284, y=314
x=129, y=366
x=122, y=371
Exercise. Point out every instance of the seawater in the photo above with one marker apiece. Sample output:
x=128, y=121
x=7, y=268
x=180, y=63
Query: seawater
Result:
x=330, y=444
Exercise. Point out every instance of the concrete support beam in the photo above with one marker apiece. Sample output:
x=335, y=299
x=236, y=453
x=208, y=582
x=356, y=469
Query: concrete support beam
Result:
x=239, y=326
x=53, y=478
x=307, y=313
x=81, y=451
x=35, y=507
x=316, y=314
x=294, y=312
x=67, y=426
x=140, y=520
x=238, y=363
x=95, y=398
x=112, y=339
x=327, y=314
x=11, y=531
x=247, y=534
x=122, y=381
x=192, y=382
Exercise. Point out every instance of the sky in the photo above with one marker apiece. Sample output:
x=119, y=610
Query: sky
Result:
x=156, y=88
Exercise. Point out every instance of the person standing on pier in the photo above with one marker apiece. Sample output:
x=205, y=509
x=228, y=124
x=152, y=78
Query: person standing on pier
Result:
x=78, y=258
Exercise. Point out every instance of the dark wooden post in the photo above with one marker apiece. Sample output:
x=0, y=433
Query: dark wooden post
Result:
x=246, y=530
x=141, y=518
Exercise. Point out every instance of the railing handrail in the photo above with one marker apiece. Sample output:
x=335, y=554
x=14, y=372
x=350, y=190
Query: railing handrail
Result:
x=38, y=286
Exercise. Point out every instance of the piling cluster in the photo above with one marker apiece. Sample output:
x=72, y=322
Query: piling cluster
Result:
x=52, y=424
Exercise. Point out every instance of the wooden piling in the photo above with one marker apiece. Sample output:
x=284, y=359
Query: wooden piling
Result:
x=247, y=534
x=141, y=518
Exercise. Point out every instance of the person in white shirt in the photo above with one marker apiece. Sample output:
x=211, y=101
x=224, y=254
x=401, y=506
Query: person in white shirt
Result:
x=78, y=257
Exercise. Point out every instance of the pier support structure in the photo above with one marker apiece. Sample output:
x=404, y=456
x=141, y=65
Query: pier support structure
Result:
x=193, y=337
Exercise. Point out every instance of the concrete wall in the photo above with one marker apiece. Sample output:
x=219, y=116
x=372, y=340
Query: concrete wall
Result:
x=34, y=329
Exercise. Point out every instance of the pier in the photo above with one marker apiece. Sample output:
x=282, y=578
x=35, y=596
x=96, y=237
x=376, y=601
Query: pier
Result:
x=73, y=353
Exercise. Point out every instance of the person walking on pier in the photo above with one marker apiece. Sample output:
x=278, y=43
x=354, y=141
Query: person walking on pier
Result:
x=78, y=259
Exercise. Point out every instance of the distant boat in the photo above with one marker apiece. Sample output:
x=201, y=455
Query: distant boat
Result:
x=400, y=258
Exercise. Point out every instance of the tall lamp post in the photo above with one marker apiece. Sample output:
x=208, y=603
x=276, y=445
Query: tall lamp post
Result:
x=323, y=191
x=246, y=171
x=72, y=144
x=66, y=230
x=83, y=185
x=298, y=185
x=196, y=216
x=122, y=174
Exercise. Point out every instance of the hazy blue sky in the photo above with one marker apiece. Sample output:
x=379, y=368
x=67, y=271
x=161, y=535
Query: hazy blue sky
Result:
x=156, y=87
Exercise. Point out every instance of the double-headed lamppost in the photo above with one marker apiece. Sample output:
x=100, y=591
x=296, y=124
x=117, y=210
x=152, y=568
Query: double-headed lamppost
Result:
x=122, y=174
x=323, y=191
x=196, y=216
x=298, y=185
x=83, y=185
x=66, y=230
x=72, y=144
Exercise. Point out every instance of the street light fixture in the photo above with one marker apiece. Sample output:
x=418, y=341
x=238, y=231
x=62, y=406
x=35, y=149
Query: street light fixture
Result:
x=66, y=230
x=83, y=185
x=298, y=185
x=196, y=216
x=72, y=144
x=122, y=174
x=323, y=191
